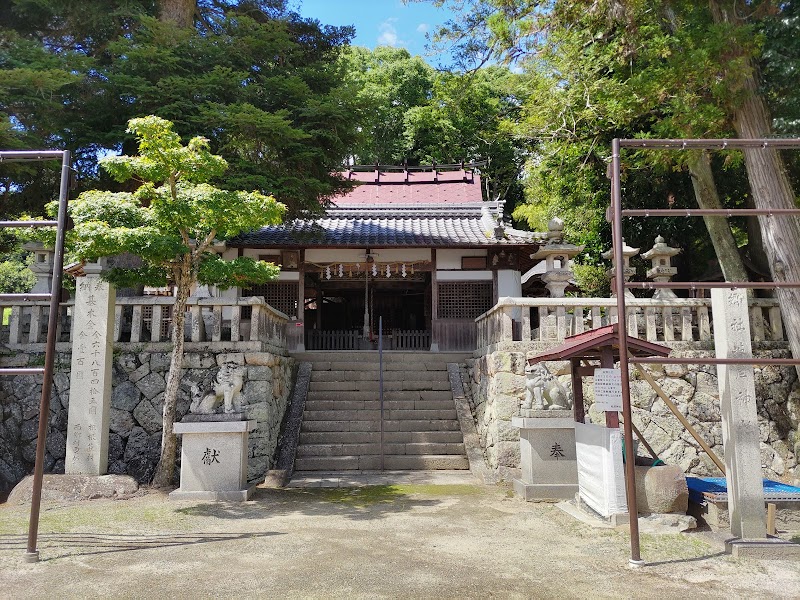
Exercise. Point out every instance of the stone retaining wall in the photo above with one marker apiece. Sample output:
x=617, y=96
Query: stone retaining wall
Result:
x=498, y=384
x=136, y=406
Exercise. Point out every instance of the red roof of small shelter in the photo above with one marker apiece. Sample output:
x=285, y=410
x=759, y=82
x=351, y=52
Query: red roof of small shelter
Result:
x=589, y=345
x=404, y=188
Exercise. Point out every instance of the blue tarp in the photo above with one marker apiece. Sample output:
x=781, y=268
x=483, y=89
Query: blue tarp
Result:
x=703, y=489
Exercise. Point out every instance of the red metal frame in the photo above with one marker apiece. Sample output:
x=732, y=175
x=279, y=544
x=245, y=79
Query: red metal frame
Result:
x=32, y=554
x=620, y=285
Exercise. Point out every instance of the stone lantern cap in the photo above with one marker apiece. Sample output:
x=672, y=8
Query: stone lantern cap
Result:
x=660, y=255
x=627, y=252
x=660, y=250
x=555, y=246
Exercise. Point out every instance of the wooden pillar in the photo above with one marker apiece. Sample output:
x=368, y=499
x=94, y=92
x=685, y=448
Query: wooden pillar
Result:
x=434, y=304
x=300, y=335
x=577, y=391
x=320, y=302
x=607, y=362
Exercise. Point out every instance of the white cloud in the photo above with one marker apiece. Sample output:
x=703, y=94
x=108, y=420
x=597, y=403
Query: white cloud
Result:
x=422, y=28
x=388, y=34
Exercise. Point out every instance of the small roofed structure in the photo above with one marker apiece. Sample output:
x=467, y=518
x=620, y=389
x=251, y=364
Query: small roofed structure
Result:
x=598, y=344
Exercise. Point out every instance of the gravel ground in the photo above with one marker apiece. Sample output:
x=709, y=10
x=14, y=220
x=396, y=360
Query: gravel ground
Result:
x=421, y=541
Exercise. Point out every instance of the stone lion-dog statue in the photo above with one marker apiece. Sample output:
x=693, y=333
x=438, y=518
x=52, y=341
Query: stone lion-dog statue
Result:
x=543, y=390
x=227, y=386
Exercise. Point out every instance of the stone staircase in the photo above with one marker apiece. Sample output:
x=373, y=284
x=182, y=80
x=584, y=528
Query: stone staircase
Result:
x=341, y=422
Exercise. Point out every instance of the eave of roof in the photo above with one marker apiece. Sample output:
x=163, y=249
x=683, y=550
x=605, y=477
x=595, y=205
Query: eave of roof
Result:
x=588, y=345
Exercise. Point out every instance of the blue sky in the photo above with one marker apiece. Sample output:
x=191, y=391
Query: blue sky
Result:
x=380, y=22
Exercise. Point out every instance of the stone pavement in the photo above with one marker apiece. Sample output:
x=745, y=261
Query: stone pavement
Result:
x=418, y=540
x=347, y=479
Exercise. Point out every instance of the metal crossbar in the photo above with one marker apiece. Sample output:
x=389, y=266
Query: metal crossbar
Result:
x=32, y=553
x=620, y=285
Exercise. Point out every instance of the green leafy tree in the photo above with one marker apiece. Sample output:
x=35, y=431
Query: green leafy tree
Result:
x=170, y=222
x=708, y=78
x=261, y=82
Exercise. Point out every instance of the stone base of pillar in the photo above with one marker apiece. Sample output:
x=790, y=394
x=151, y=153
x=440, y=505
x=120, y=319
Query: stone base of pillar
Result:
x=547, y=455
x=532, y=492
x=214, y=461
x=769, y=548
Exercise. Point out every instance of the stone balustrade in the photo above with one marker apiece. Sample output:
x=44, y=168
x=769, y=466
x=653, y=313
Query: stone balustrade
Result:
x=149, y=319
x=23, y=323
x=656, y=320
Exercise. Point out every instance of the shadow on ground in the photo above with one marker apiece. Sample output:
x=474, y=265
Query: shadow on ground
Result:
x=87, y=544
x=362, y=503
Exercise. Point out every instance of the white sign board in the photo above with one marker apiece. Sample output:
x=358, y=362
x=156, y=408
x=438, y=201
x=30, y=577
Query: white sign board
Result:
x=608, y=389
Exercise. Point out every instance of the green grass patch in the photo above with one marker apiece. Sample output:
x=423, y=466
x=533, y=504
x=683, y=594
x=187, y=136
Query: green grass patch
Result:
x=676, y=546
x=95, y=516
x=371, y=495
x=6, y=315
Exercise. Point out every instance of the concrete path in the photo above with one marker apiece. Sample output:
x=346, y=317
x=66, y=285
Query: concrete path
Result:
x=399, y=541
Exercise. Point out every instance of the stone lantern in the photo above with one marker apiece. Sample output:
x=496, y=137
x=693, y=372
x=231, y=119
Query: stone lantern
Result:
x=662, y=270
x=627, y=270
x=42, y=266
x=557, y=256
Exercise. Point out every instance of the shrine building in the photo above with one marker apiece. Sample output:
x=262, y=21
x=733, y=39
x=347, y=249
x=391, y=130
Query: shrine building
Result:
x=418, y=248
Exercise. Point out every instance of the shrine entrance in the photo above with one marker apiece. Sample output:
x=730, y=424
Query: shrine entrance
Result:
x=344, y=314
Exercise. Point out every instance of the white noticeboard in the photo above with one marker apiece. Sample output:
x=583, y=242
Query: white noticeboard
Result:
x=608, y=389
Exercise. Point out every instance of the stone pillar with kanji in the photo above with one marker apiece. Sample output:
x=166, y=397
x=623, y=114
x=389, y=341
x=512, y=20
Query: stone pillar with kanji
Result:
x=90, y=374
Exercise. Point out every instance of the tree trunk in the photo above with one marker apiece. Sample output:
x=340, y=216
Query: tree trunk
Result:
x=169, y=444
x=705, y=190
x=179, y=12
x=771, y=189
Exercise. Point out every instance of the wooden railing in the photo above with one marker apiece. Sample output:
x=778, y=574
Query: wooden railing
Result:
x=681, y=319
x=410, y=339
x=346, y=339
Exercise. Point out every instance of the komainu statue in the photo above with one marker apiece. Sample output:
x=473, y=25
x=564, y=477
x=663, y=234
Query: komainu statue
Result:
x=226, y=389
x=543, y=391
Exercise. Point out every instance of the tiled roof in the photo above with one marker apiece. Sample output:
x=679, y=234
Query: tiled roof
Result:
x=382, y=227
x=399, y=209
x=412, y=188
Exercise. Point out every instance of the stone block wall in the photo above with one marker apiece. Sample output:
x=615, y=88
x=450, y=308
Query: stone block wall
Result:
x=498, y=385
x=137, y=400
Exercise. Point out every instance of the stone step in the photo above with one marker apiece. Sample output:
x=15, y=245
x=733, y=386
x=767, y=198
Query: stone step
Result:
x=420, y=437
x=417, y=425
x=341, y=437
x=373, y=462
x=334, y=449
x=426, y=462
x=366, y=356
x=374, y=425
x=374, y=386
x=376, y=405
x=341, y=365
x=369, y=449
x=419, y=448
x=375, y=376
x=341, y=415
x=340, y=425
x=388, y=395
x=373, y=415
x=374, y=437
x=337, y=463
